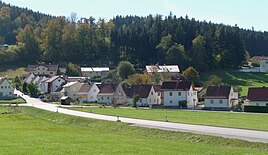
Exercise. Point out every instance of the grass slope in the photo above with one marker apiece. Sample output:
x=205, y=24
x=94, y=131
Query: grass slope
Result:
x=35, y=131
x=239, y=79
x=225, y=119
x=14, y=101
x=12, y=72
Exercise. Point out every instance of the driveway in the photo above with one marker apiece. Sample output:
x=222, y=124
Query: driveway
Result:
x=243, y=134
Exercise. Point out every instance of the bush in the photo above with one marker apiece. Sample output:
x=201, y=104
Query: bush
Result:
x=183, y=104
x=258, y=109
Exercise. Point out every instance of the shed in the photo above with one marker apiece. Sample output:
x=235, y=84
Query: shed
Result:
x=65, y=100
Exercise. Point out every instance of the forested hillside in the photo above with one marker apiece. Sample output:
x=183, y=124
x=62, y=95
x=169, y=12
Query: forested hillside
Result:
x=140, y=40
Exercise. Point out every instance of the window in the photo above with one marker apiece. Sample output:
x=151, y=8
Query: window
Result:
x=10, y=93
x=154, y=100
x=5, y=87
x=56, y=86
x=37, y=68
x=140, y=100
x=59, y=80
x=51, y=72
x=188, y=93
x=158, y=94
x=257, y=104
x=211, y=101
x=108, y=98
x=8, y=87
x=179, y=93
x=94, y=90
x=43, y=68
x=170, y=94
x=220, y=101
x=266, y=104
x=1, y=87
x=170, y=101
x=149, y=100
x=1, y=94
x=152, y=93
x=101, y=98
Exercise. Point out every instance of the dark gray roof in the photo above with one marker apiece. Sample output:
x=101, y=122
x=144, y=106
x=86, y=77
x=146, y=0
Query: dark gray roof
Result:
x=222, y=92
x=258, y=94
x=176, y=85
x=141, y=90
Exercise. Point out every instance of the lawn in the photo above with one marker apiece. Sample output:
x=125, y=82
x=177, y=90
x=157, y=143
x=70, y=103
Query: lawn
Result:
x=34, y=131
x=13, y=101
x=239, y=79
x=12, y=72
x=225, y=119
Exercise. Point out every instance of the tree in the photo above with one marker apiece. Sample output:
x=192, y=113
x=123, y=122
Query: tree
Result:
x=112, y=77
x=29, y=45
x=17, y=82
x=198, y=54
x=138, y=79
x=125, y=69
x=162, y=48
x=213, y=81
x=33, y=90
x=191, y=74
x=135, y=99
x=71, y=70
x=176, y=55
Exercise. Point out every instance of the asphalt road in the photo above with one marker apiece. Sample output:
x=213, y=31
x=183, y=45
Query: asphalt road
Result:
x=243, y=134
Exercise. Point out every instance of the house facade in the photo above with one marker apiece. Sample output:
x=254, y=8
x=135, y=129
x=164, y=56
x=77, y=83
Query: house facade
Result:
x=43, y=69
x=110, y=93
x=179, y=91
x=88, y=93
x=71, y=88
x=52, y=84
x=94, y=71
x=264, y=65
x=6, y=89
x=147, y=95
x=220, y=97
x=257, y=96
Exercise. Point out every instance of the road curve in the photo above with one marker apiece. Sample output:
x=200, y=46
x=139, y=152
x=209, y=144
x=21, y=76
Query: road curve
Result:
x=243, y=134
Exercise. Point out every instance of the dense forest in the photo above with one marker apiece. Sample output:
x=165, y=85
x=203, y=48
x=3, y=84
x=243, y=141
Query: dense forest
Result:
x=141, y=40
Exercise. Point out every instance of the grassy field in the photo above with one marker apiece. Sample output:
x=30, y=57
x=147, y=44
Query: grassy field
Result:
x=34, y=131
x=225, y=119
x=12, y=72
x=14, y=101
x=239, y=79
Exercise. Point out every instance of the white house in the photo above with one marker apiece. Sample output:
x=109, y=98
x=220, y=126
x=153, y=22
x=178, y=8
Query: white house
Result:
x=71, y=88
x=257, y=97
x=176, y=92
x=43, y=69
x=29, y=78
x=52, y=84
x=111, y=93
x=264, y=65
x=146, y=93
x=6, y=89
x=220, y=97
x=94, y=71
x=88, y=93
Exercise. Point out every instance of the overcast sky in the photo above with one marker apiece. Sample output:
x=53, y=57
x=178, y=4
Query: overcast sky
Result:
x=244, y=13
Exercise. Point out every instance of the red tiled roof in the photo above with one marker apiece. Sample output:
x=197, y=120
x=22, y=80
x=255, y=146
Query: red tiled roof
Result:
x=222, y=92
x=258, y=94
x=176, y=85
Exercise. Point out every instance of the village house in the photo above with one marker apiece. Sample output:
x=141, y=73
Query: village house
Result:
x=147, y=94
x=111, y=93
x=71, y=88
x=43, y=69
x=220, y=98
x=257, y=96
x=88, y=93
x=94, y=71
x=176, y=92
x=53, y=84
x=6, y=89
